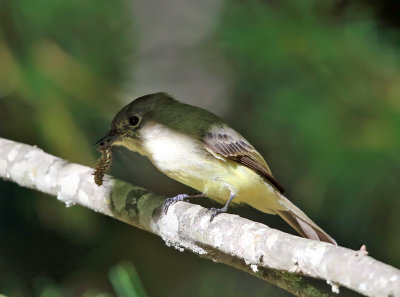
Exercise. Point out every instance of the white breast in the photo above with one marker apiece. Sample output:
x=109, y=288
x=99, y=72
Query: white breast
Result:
x=179, y=156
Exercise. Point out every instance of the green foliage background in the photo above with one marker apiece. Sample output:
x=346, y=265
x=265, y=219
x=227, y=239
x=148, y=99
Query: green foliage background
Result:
x=316, y=90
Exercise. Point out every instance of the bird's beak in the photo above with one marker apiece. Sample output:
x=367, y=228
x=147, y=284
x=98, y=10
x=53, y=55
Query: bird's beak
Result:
x=107, y=140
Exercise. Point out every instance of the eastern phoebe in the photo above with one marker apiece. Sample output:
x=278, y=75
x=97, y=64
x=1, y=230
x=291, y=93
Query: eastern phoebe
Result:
x=198, y=149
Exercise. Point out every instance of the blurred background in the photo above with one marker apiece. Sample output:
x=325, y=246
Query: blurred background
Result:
x=313, y=85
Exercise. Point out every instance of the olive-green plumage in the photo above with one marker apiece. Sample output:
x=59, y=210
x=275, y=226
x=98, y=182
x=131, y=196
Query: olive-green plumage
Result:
x=198, y=149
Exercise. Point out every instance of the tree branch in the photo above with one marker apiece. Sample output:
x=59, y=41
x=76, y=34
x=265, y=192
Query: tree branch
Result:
x=269, y=254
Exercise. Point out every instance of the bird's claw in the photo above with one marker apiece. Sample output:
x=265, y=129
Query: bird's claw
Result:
x=172, y=200
x=215, y=212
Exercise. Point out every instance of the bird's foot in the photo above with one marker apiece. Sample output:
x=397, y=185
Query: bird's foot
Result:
x=172, y=200
x=216, y=211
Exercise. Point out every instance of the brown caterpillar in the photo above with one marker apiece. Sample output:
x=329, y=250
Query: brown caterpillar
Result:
x=102, y=166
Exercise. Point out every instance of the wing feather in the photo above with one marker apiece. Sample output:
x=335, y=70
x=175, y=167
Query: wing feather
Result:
x=226, y=142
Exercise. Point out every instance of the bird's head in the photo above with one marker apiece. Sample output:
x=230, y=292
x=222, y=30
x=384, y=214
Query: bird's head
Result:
x=127, y=125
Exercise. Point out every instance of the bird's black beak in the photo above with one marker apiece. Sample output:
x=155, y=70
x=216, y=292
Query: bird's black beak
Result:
x=107, y=140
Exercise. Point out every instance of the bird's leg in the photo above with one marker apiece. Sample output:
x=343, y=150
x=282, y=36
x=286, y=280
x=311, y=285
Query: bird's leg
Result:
x=217, y=211
x=180, y=197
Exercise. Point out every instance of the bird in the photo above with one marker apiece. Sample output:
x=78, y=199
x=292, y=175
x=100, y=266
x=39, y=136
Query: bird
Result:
x=197, y=148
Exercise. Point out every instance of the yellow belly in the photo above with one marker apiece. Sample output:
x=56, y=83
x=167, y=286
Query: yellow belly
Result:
x=249, y=187
x=218, y=179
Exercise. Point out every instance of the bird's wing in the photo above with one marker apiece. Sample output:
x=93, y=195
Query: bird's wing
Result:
x=226, y=142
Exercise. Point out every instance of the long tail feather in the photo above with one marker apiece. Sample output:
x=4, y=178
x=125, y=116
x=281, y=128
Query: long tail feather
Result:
x=301, y=223
x=305, y=227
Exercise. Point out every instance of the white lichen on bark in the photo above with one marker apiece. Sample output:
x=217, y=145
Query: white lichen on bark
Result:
x=253, y=247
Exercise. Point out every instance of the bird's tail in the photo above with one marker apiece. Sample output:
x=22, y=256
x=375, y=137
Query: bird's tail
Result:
x=301, y=223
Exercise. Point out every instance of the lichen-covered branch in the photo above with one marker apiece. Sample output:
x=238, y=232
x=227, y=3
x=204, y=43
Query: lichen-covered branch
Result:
x=269, y=254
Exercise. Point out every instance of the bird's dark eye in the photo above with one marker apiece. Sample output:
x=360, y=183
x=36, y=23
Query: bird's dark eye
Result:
x=134, y=120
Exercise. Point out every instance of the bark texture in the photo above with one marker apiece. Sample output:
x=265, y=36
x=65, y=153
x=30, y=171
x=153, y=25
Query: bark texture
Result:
x=272, y=255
